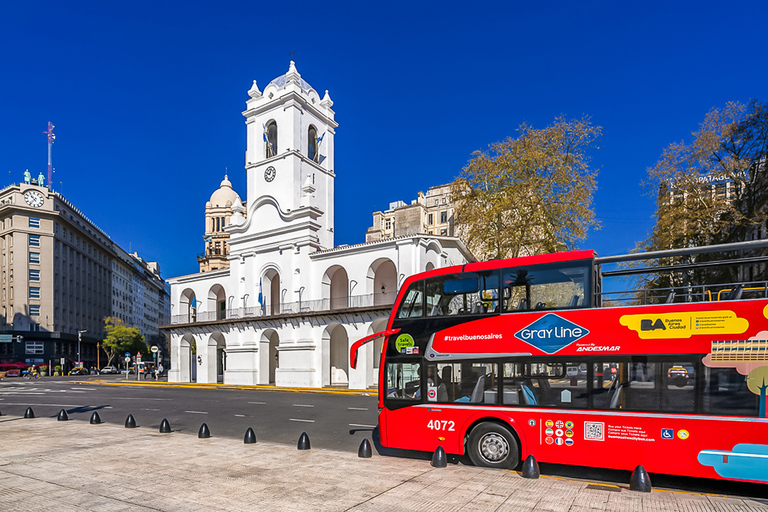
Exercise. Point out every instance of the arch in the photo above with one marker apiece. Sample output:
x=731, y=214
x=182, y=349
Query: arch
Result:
x=337, y=342
x=335, y=285
x=271, y=339
x=312, y=143
x=188, y=305
x=429, y=266
x=382, y=279
x=270, y=138
x=217, y=345
x=186, y=363
x=217, y=302
x=269, y=292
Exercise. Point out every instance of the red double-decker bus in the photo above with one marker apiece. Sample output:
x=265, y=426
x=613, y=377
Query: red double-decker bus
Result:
x=531, y=356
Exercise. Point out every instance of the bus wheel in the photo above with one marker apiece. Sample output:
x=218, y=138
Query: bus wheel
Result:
x=491, y=445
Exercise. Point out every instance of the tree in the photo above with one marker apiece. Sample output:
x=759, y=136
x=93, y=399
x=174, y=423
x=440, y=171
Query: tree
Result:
x=713, y=189
x=528, y=195
x=120, y=339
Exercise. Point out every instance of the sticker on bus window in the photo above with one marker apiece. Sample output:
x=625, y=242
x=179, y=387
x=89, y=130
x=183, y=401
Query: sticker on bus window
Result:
x=403, y=341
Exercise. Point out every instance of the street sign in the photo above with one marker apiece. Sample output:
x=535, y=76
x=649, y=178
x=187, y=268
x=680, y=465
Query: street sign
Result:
x=127, y=359
x=154, y=349
x=6, y=338
x=63, y=360
x=127, y=354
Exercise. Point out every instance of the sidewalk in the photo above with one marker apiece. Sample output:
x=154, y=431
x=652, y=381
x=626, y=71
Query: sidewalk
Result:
x=71, y=465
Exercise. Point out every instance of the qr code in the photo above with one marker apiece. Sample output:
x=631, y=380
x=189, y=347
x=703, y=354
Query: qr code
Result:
x=593, y=431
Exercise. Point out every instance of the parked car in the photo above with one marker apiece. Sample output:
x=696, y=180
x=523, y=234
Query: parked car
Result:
x=78, y=370
x=109, y=370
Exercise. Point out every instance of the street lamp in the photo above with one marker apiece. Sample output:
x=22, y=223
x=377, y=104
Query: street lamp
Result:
x=79, y=338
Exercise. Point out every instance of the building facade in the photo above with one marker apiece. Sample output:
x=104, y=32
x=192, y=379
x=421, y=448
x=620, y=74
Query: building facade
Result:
x=429, y=214
x=61, y=275
x=218, y=211
x=290, y=304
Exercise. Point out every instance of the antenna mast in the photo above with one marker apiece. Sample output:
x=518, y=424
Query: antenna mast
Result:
x=51, y=138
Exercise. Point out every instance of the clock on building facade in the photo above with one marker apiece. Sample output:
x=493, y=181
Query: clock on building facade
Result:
x=34, y=198
x=270, y=173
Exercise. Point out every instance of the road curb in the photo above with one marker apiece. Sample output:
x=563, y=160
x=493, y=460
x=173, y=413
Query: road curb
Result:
x=188, y=385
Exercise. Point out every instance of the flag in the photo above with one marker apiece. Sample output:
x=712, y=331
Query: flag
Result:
x=320, y=139
x=260, y=299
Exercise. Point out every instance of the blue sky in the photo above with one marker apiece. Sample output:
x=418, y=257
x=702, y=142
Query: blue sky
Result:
x=147, y=97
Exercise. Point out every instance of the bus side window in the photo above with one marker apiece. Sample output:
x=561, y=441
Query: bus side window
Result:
x=477, y=383
x=403, y=381
x=726, y=393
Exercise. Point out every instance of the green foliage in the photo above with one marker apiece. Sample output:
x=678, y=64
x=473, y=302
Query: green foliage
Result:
x=528, y=195
x=691, y=179
x=120, y=339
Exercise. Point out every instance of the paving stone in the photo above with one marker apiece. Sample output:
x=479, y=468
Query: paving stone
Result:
x=47, y=465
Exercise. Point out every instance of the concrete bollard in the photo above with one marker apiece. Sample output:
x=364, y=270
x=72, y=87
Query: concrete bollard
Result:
x=203, y=433
x=439, y=460
x=530, y=468
x=364, y=452
x=95, y=419
x=165, y=427
x=250, y=436
x=63, y=415
x=29, y=413
x=303, y=442
x=640, y=481
x=130, y=422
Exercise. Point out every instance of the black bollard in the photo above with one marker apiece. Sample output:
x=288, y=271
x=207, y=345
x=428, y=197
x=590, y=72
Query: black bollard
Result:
x=63, y=415
x=95, y=419
x=165, y=427
x=303, y=442
x=250, y=436
x=439, y=460
x=204, y=433
x=364, y=452
x=29, y=413
x=130, y=422
x=640, y=481
x=530, y=468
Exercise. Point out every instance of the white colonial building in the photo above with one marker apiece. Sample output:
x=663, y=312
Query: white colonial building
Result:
x=290, y=305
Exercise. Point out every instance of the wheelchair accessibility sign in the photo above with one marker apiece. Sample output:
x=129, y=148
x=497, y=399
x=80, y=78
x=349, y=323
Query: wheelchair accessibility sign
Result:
x=667, y=433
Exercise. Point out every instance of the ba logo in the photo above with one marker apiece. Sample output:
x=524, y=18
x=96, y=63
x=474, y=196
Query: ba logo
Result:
x=646, y=324
x=551, y=333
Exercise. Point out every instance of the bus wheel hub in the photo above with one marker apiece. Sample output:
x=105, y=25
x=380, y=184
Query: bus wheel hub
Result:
x=494, y=447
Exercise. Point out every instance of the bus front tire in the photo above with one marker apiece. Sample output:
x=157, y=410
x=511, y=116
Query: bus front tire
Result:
x=491, y=445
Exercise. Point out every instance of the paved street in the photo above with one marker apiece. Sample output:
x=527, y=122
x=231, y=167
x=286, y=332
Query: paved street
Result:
x=336, y=421
x=72, y=465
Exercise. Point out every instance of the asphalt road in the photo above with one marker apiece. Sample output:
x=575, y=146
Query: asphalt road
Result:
x=337, y=422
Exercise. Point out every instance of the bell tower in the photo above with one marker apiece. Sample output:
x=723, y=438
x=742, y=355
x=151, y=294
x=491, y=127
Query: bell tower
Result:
x=289, y=164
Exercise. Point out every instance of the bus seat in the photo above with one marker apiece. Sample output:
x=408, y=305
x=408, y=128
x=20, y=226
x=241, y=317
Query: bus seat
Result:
x=442, y=393
x=670, y=297
x=528, y=396
x=616, y=396
x=523, y=304
x=478, y=392
x=736, y=293
x=477, y=307
x=574, y=301
x=540, y=305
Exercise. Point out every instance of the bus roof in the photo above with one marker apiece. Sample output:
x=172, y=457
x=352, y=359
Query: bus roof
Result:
x=555, y=257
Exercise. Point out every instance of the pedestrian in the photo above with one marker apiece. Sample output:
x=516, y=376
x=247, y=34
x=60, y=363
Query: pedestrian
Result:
x=152, y=373
x=159, y=370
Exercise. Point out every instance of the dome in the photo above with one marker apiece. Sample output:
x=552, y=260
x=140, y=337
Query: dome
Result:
x=292, y=74
x=224, y=196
